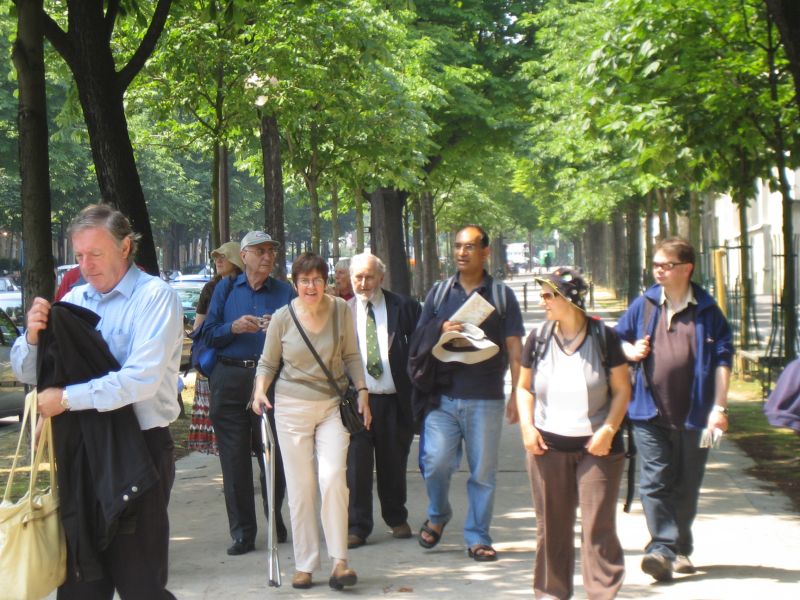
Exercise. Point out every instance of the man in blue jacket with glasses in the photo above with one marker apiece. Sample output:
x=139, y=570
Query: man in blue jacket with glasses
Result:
x=682, y=343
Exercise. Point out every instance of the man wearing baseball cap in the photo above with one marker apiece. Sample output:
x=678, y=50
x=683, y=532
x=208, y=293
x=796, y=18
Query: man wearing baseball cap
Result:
x=236, y=326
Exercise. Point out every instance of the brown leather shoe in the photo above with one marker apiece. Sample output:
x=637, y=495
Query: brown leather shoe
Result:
x=341, y=577
x=301, y=580
x=683, y=565
x=401, y=532
x=355, y=541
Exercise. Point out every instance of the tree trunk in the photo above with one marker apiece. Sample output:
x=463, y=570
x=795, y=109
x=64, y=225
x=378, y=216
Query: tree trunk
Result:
x=648, y=241
x=216, y=238
x=86, y=48
x=87, y=51
x=789, y=297
x=786, y=15
x=663, y=226
x=633, y=235
x=313, y=194
x=744, y=262
x=224, y=194
x=358, y=200
x=34, y=162
x=617, y=263
x=336, y=251
x=430, y=250
x=418, y=277
x=695, y=220
x=387, y=236
x=672, y=213
x=273, y=189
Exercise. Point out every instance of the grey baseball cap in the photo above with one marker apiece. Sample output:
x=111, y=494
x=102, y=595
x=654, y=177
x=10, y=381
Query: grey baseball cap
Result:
x=254, y=238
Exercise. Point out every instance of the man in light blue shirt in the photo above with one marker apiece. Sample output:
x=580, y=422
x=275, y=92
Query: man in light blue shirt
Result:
x=141, y=320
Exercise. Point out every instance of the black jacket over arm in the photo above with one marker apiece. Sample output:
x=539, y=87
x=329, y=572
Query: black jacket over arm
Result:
x=101, y=457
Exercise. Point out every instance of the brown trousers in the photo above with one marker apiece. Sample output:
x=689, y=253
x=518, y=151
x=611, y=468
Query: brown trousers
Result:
x=561, y=482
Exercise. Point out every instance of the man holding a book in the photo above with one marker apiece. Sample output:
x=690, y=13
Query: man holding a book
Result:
x=473, y=314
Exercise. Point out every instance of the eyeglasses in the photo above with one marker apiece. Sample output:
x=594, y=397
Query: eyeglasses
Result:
x=667, y=266
x=261, y=251
x=305, y=282
x=470, y=248
x=547, y=296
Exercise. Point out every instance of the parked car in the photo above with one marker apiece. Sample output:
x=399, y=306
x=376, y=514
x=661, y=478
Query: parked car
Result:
x=189, y=292
x=7, y=285
x=11, y=303
x=12, y=392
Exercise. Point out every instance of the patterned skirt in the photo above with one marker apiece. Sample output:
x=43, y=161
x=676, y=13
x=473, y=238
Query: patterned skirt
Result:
x=201, y=431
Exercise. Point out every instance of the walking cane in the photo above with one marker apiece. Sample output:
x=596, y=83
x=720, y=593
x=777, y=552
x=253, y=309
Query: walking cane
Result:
x=268, y=441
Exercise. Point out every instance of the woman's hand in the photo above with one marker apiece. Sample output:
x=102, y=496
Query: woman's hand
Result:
x=532, y=440
x=260, y=402
x=363, y=408
x=600, y=443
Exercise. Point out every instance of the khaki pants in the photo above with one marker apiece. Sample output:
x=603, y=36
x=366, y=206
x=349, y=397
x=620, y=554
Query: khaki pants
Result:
x=309, y=430
x=561, y=482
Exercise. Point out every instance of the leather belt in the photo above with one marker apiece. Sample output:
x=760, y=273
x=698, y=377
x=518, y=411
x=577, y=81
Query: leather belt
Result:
x=233, y=362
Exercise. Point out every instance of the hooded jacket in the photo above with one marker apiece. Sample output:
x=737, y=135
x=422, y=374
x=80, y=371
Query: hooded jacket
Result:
x=714, y=349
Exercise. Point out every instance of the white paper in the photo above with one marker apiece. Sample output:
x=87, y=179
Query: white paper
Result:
x=474, y=311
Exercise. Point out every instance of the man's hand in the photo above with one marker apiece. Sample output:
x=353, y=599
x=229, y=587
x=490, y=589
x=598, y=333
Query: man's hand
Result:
x=638, y=351
x=246, y=324
x=37, y=320
x=49, y=402
x=512, y=412
x=718, y=420
x=452, y=326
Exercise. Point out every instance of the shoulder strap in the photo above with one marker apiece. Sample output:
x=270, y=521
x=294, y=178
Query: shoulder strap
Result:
x=442, y=288
x=499, y=297
x=313, y=351
x=542, y=342
x=597, y=330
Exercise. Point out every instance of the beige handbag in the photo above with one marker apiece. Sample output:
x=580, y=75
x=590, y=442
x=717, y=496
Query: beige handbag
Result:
x=33, y=551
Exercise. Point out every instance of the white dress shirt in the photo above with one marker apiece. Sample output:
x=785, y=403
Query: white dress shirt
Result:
x=383, y=384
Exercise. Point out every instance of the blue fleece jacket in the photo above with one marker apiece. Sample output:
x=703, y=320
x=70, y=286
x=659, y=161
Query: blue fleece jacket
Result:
x=714, y=348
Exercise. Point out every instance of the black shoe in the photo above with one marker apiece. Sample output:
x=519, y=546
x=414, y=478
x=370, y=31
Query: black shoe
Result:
x=241, y=547
x=658, y=566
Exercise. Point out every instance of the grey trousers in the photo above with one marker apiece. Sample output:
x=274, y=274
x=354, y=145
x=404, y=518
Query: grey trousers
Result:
x=561, y=482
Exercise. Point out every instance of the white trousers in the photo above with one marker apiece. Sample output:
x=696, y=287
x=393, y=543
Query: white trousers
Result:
x=309, y=429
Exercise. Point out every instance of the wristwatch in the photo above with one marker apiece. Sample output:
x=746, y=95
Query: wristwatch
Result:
x=721, y=409
x=65, y=400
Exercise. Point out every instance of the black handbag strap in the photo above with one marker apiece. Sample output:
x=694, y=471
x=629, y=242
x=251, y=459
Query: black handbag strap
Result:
x=314, y=353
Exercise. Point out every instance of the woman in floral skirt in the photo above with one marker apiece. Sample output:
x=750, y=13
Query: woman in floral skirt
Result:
x=228, y=263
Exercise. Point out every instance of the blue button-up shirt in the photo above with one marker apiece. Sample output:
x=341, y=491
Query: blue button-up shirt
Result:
x=242, y=300
x=141, y=320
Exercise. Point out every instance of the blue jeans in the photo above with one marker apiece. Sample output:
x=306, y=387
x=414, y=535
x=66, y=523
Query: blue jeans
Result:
x=478, y=423
x=672, y=465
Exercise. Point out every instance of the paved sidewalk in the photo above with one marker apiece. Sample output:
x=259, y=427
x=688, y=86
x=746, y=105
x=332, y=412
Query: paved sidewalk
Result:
x=747, y=539
x=747, y=543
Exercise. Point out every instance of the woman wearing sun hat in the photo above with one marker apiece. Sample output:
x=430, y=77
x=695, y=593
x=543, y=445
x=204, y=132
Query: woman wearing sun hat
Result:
x=571, y=405
x=228, y=263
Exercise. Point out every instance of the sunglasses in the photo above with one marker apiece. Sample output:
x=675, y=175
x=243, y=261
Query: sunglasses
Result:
x=547, y=296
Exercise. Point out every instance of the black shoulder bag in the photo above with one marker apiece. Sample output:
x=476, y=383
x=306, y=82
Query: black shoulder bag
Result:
x=348, y=401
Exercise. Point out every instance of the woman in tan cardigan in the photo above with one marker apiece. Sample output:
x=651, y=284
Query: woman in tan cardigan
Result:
x=307, y=415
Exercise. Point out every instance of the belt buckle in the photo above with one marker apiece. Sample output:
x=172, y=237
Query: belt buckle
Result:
x=249, y=364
